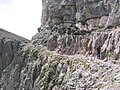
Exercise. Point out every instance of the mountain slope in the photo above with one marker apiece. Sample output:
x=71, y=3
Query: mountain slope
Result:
x=39, y=69
x=76, y=28
x=9, y=45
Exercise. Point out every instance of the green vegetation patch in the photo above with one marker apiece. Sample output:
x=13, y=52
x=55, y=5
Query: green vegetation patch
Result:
x=85, y=64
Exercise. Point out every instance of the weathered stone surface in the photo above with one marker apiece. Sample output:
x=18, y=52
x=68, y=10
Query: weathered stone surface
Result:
x=79, y=26
x=9, y=45
x=74, y=26
x=74, y=11
x=38, y=69
x=85, y=43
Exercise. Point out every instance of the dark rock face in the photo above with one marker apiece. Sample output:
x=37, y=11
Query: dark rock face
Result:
x=79, y=26
x=97, y=13
x=36, y=68
x=9, y=45
x=8, y=49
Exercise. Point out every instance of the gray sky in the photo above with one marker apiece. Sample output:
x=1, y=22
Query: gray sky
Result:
x=21, y=17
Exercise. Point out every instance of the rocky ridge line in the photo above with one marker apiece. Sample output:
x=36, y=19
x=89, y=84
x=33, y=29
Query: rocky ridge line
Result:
x=9, y=46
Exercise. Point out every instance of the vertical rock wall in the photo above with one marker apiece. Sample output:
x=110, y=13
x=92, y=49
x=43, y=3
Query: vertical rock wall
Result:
x=97, y=13
x=79, y=26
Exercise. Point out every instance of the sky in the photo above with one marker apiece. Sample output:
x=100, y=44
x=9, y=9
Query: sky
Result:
x=21, y=17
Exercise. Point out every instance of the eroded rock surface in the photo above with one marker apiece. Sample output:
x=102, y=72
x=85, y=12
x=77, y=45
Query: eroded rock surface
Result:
x=85, y=43
x=38, y=69
x=79, y=26
x=9, y=45
x=97, y=13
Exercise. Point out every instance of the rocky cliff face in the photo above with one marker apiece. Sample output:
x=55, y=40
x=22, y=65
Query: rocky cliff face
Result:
x=9, y=45
x=85, y=43
x=77, y=27
x=97, y=13
x=38, y=69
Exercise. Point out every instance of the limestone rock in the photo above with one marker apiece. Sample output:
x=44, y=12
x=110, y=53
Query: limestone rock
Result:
x=79, y=26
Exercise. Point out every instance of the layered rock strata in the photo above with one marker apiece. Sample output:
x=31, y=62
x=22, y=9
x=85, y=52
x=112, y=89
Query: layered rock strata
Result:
x=95, y=13
x=80, y=26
